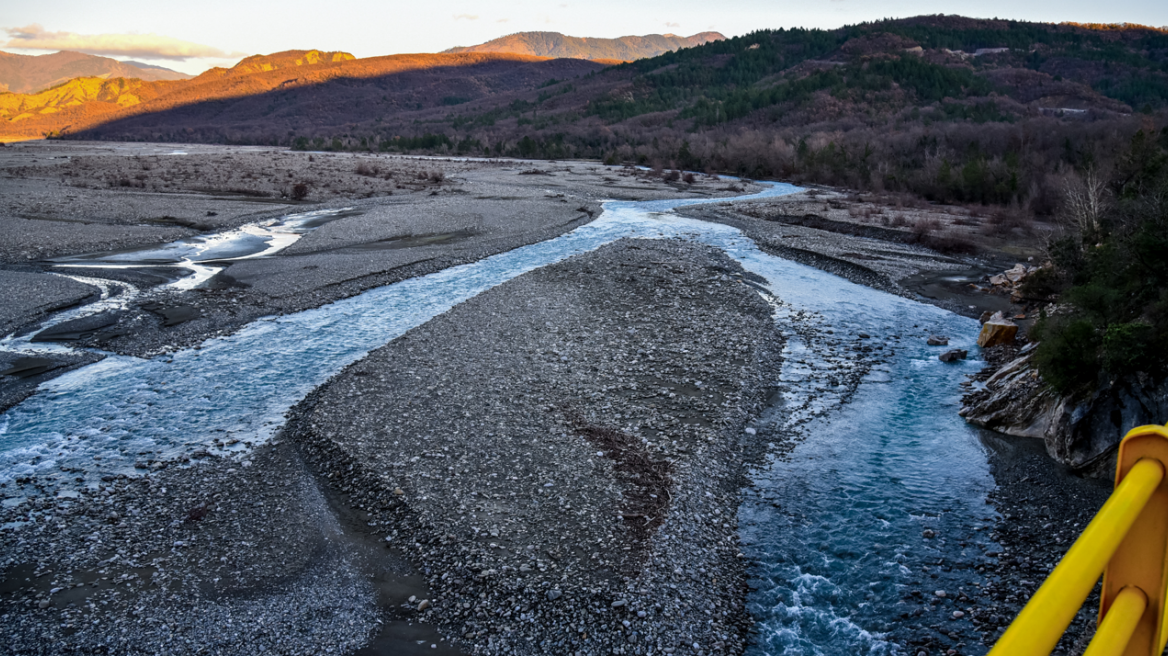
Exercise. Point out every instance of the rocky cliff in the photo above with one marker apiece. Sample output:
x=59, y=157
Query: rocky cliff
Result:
x=1080, y=431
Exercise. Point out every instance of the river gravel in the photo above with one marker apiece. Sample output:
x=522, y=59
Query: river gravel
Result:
x=293, y=581
x=227, y=556
x=562, y=454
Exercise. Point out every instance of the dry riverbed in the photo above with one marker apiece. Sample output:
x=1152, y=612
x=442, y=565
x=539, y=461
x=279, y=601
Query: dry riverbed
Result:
x=436, y=215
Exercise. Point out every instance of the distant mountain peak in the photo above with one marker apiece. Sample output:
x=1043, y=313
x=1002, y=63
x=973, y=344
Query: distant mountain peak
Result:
x=555, y=44
x=33, y=73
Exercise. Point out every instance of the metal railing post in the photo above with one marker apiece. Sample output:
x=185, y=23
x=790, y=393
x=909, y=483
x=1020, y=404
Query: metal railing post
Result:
x=1116, y=629
x=1041, y=624
x=1140, y=561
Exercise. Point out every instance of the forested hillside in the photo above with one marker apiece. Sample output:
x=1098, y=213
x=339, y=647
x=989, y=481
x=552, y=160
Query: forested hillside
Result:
x=947, y=108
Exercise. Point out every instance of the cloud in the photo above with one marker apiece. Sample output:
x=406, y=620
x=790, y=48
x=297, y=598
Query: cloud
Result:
x=466, y=17
x=145, y=46
x=502, y=20
x=672, y=24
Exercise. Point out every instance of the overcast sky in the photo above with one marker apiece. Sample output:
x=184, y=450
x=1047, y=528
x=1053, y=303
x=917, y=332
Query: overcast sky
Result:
x=193, y=36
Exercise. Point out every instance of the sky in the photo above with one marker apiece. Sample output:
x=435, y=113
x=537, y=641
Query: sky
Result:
x=196, y=35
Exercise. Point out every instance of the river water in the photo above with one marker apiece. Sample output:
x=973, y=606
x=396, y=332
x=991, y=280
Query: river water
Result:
x=835, y=527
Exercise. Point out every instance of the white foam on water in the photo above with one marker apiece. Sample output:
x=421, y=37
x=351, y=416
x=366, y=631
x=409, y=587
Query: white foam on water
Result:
x=198, y=254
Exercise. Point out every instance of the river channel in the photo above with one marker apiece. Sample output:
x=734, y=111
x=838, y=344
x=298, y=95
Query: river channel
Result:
x=880, y=505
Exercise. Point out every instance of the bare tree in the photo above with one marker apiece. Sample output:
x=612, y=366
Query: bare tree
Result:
x=1085, y=200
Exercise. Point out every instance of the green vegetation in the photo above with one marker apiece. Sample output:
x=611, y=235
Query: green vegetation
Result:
x=727, y=80
x=1113, y=276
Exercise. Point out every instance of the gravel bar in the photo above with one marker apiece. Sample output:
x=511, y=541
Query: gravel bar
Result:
x=563, y=455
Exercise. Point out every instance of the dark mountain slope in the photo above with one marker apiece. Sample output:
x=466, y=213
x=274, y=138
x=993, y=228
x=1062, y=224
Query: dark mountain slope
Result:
x=303, y=90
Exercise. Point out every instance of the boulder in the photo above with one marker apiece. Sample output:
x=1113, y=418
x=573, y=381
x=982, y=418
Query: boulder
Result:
x=999, y=280
x=998, y=330
x=938, y=340
x=1016, y=274
x=953, y=356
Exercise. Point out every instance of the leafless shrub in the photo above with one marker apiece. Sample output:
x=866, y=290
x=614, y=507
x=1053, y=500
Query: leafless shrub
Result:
x=1005, y=220
x=364, y=168
x=925, y=227
x=688, y=178
x=299, y=191
x=672, y=176
x=437, y=176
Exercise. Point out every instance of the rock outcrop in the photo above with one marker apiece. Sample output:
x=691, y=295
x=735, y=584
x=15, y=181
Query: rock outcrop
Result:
x=1079, y=431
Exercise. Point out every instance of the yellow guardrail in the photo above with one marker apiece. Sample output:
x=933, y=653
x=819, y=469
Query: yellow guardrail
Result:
x=1126, y=542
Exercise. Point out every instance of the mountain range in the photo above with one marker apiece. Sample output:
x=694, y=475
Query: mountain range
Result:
x=294, y=90
x=33, y=73
x=879, y=77
x=625, y=48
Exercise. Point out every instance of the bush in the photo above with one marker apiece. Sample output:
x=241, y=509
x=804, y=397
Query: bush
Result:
x=299, y=191
x=364, y=168
x=1127, y=347
x=1116, y=279
x=1068, y=355
x=1044, y=284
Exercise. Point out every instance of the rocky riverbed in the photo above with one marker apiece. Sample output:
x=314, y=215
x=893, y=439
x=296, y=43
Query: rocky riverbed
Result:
x=551, y=467
x=414, y=217
x=559, y=456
